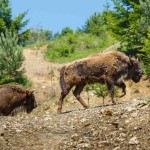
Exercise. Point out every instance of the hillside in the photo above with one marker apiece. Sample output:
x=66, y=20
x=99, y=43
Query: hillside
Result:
x=118, y=127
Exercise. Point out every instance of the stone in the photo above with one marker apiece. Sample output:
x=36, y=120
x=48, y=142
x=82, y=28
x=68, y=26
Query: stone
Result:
x=133, y=141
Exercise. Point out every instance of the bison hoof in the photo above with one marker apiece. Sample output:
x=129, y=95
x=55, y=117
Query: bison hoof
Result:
x=114, y=103
x=58, y=111
x=86, y=107
x=122, y=95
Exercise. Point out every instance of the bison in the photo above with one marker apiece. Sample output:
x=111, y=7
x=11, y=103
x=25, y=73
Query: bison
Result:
x=108, y=68
x=13, y=97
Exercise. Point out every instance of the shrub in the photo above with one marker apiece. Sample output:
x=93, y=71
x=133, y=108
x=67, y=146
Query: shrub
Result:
x=75, y=46
x=100, y=90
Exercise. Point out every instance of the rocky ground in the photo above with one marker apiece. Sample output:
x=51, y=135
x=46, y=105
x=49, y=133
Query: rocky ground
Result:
x=125, y=126
x=119, y=127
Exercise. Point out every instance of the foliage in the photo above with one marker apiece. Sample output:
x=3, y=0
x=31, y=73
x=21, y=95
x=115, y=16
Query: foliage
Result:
x=145, y=55
x=16, y=25
x=101, y=90
x=66, y=31
x=128, y=23
x=11, y=56
x=39, y=35
x=75, y=46
x=124, y=23
x=95, y=25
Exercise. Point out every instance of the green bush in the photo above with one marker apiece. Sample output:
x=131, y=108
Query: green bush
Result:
x=75, y=46
x=100, y=90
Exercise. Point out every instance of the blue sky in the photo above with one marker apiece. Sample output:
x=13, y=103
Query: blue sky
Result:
x=57, y=14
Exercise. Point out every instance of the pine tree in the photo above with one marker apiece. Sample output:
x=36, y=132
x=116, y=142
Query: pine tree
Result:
x=126, y=23
x=11, y=57
x=16, y=25
x=95, y=25
x=145, y=55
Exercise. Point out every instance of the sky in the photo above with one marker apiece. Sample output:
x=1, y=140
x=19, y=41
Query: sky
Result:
x=55, y=15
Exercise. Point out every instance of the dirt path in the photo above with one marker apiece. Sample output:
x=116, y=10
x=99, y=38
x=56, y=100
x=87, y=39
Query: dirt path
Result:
x=43, y=74
x=37, y=68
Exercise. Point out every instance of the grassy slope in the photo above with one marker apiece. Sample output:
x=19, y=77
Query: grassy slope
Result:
x=72, y=47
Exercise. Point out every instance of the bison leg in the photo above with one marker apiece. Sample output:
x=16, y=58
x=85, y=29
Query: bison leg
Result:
x=122, y=85
x=110, y=87
x=76, y=93
x=60, y=102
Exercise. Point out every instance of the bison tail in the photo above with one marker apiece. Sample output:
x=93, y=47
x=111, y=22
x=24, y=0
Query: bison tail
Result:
x=62, y=80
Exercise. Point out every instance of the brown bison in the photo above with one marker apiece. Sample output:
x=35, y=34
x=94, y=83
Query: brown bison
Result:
x=108, y=68
x=13, y=97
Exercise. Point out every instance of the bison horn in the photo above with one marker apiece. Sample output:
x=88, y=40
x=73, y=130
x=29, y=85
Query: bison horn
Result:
x=139, y=59
x=131, y=60
x=30, y=92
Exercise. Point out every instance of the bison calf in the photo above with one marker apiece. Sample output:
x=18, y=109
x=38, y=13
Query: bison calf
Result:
x=13, y=97
x=107, y=68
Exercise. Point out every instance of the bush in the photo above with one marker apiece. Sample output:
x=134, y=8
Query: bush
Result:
x=100, y=90
x=75, y=46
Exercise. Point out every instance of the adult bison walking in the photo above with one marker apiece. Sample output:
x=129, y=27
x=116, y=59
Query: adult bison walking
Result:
x=108, y=68
x=13, y=97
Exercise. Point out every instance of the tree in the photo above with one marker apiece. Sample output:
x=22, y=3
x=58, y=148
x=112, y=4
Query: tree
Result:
x=100, y=90
x=15, y=25
x=95, y=25
x=11, y=56
x=129, y=22
x=145, y=23
x=66, y=31
x=145, y=55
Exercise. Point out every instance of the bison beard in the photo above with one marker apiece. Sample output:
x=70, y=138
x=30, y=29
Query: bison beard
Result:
x=107, y=68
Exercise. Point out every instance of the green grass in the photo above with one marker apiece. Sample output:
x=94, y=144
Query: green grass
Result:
x=70, y=48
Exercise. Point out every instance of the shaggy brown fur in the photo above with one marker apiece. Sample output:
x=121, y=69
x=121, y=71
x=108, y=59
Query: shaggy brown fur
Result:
x=108, y=68
x=13, y=97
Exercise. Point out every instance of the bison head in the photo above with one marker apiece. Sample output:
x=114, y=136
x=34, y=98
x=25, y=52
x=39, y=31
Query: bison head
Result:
x=30, y=103
x=135, y=70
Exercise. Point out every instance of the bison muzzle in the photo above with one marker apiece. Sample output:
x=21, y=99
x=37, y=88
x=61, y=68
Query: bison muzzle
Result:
x=108, y=68
x=13, y=97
